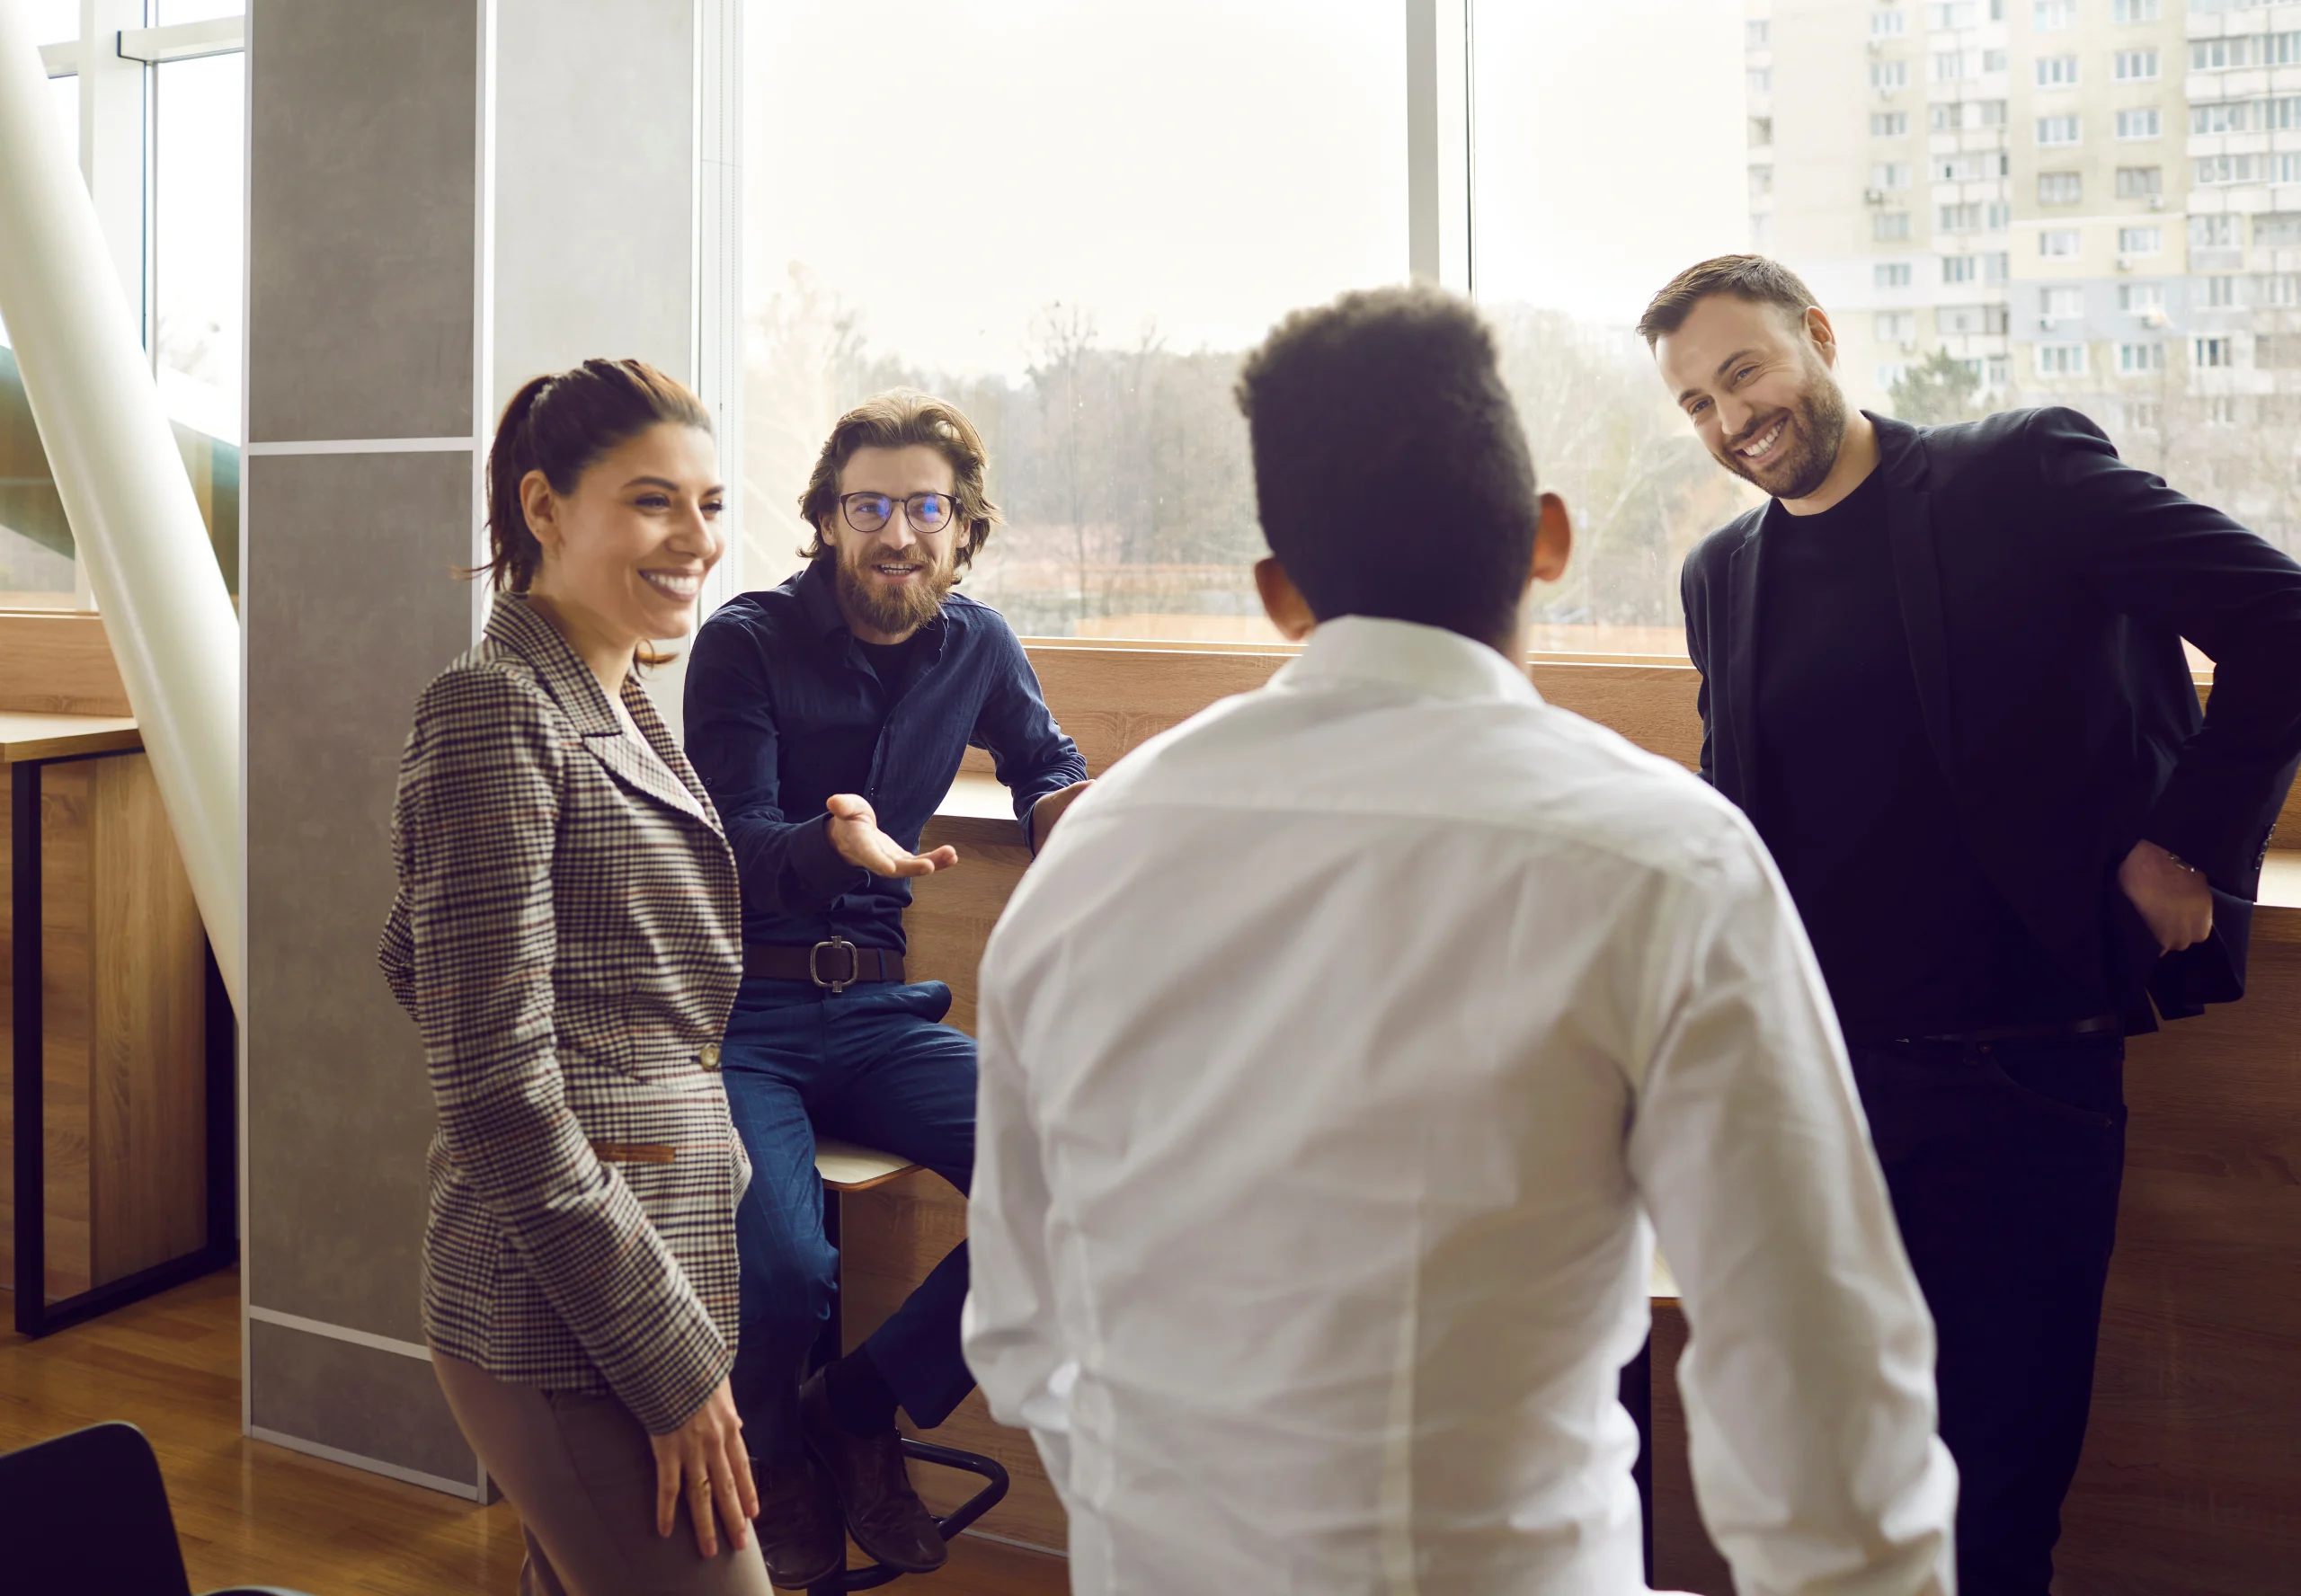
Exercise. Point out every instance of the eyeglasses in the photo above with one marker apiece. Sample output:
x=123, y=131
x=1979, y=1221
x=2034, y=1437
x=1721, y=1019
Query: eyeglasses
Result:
x=869, y=513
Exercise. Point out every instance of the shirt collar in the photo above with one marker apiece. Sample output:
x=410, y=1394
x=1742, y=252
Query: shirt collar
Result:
x=514, y=623
x=1428, y=660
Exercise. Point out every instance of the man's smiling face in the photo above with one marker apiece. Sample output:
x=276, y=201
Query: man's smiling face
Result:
x=892, y=581
x=1756, y=383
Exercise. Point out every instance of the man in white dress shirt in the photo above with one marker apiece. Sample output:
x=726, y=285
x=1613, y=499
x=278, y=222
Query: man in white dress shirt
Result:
x=1347, y=1048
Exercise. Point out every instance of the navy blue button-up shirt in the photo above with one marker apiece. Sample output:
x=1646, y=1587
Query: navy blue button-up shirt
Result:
x=783, y=709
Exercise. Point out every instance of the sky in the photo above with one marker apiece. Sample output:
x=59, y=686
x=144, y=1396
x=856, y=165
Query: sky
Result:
x=951, y=167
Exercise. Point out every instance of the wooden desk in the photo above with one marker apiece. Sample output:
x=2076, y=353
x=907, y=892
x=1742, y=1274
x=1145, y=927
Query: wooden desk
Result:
x=119, y=1112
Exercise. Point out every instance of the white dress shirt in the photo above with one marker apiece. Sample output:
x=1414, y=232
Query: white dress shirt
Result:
x=1336, y=1054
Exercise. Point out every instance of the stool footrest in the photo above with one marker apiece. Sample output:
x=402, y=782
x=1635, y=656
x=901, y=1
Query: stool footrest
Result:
x=994, y=1475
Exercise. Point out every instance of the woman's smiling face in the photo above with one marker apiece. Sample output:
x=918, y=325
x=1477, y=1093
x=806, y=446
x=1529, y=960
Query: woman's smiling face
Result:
x=630, y=546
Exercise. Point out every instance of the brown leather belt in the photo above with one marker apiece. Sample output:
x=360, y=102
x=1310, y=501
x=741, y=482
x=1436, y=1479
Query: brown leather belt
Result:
x=833, y=965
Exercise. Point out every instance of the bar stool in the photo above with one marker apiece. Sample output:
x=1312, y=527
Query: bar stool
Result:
x=846, y=1167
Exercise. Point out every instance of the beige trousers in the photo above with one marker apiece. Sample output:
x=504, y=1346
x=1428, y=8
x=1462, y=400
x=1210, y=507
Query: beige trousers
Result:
x=582, y=1474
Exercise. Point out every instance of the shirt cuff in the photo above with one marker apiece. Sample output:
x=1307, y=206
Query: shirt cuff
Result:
x=823, y=875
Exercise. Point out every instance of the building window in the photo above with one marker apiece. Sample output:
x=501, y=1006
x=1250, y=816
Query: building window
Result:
x=1758, y=34
x=2140, y=182
x=2056, y=131
x=2051, y=16
x=1996, y=268
x=1971, y=321
x=1959, y=268
x=1885, y=23
x=2058, y=243
x=2141, y=241
x=1890, y=75
x=2143, y=299
x=1956, y=13
x=2001, y=215
x=1948, y=65
x=2056, y=72
x=1889, y=226
x=1959, y=218
x=1973, y=166
x=2213, y=232
x=2134, y=11
x=2281, y=289
x=1761, y=132
x=1995, y=370
x=1992, y=112
x=1891, y=374
x=2223, y=116
x=2135, y=66
x=1889, y=174
x=1992, y=60
x=2281, y=166
x=2060, y=188
x=2062, y=304
x=1888, y=124
x=1890, y=274
x=2061, y=359
x=2144, y=123
x=1761, y=80
x=2213, y=354
x=2221, y=293
x=2134, y=360
x=1760, y=182
x=2141, y=416
x=1897, y=326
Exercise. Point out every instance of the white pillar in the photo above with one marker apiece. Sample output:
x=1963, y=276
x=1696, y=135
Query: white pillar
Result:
x=140, y=537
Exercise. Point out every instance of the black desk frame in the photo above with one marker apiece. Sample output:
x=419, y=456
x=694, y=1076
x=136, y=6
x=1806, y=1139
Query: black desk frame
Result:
x=36, y=1316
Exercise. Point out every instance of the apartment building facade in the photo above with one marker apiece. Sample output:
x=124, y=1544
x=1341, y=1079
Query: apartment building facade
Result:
x=2090, y=202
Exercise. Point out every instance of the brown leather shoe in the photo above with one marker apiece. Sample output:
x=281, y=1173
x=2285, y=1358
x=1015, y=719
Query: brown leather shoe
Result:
x=883, y=1513
x=800, y=1533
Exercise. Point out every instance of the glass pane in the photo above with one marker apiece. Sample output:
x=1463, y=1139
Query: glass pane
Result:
x=36, y=563
x=55, y=21
x=1071, y=217
x=1570, y=245
x=199, y=243
x=168, y=13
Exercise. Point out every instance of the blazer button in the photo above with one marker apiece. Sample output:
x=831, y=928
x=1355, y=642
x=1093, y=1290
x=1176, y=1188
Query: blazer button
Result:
x=709, y=1057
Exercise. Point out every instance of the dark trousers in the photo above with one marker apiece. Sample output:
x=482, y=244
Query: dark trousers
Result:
x=870, y=1065
x=2004, y=1160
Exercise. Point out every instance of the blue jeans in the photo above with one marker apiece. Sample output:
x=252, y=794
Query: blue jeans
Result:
x=872, y=1065
x=2004, y=1161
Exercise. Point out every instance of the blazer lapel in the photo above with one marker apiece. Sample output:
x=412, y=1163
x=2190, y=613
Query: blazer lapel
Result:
x=1741, y=716
x=513, y=624
x=1917, y=580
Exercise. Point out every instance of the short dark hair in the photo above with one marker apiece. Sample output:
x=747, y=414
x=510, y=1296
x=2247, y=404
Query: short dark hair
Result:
x=1753, y=278
x=899, y=419
x=1391, y=472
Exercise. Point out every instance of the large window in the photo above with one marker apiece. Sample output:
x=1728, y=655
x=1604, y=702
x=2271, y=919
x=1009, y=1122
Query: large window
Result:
x=176, y=92
x=1072, y=218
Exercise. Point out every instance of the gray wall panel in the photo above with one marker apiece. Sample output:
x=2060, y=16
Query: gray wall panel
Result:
x=351, y=608
x=380, y=1405
x=595, y=186
x=362, y=207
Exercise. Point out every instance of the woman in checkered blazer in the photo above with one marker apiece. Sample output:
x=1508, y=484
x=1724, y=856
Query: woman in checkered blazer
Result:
x=567, y=934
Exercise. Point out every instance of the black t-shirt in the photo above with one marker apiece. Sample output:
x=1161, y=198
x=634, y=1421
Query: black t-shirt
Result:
x=1911, y=936
x=890, y=661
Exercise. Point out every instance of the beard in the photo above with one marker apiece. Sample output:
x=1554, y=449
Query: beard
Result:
x=899, y=611
x=1817, y=431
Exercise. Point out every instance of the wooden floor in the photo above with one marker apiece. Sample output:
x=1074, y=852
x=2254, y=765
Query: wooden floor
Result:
x=250, y=1514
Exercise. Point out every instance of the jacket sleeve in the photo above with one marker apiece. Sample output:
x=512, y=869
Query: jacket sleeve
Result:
x=1692, y=600
x=2162, y=558
x=478, y=820
x=1028, y=750
x=1809, y=1372
x=786, y=864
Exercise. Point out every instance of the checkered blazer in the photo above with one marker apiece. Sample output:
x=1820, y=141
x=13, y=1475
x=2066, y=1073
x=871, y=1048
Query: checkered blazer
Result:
x=568, y=937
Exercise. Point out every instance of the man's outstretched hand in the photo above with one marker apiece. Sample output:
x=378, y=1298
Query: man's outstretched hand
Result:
x=856, y=837
x=2172, y=896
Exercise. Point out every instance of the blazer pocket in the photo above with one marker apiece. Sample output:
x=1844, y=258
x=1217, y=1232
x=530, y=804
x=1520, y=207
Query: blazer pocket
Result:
x=634, y=1152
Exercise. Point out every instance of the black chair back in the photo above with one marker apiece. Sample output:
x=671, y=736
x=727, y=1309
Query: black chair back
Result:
x=86, y=1514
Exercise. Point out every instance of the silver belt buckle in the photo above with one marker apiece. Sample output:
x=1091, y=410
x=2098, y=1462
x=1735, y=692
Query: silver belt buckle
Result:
x=854, y=964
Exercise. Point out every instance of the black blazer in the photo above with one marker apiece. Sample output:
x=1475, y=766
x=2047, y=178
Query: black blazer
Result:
x=2046, y=587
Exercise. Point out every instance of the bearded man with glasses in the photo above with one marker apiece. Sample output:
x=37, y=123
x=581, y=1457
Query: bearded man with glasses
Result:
x=827, y=718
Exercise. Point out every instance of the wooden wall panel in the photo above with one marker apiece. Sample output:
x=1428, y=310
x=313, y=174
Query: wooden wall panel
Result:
x=56, y=663
x=147, y=1175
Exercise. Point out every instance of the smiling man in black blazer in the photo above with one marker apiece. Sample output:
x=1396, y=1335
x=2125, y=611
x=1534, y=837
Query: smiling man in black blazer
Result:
x=1942, y=673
